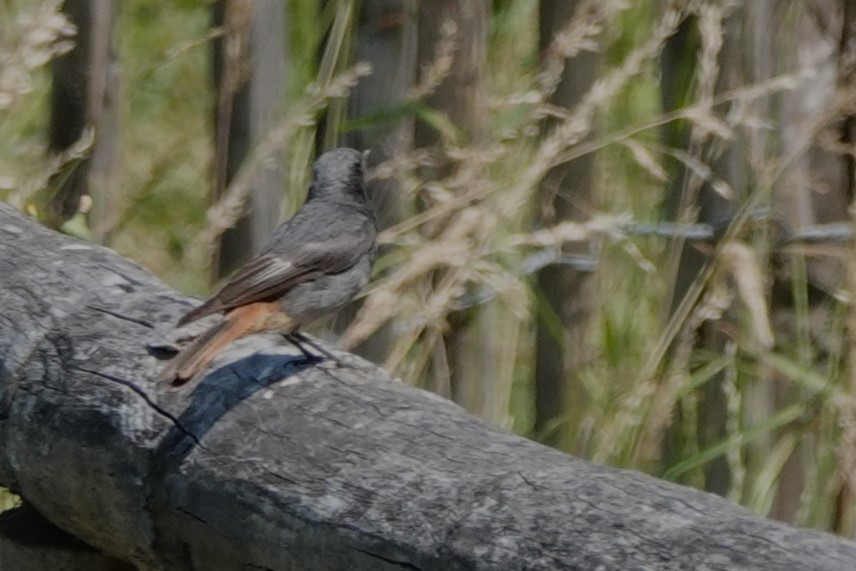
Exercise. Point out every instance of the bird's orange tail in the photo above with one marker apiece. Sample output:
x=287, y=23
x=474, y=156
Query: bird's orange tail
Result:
x=238, y=323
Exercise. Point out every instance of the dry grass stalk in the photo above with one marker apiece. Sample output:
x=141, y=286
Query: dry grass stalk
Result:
x=733, y=423
x=59, y=167
x=578, y=125
x=710, y=26
x=656, y=414
x=847, y=445
x=578, y=36
x=740, y=263
x=37, y=37
x=436, y=71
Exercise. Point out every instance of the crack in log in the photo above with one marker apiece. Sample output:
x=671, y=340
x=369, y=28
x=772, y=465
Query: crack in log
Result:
x=400, y=564
x=154, y=406
x=120, y=316
x=192, y=515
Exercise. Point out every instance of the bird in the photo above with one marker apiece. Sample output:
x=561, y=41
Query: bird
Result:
x=314, y=264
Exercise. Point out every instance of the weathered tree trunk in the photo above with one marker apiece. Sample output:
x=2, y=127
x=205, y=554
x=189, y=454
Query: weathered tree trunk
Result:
x=271, y=463
x=85, y=94
x=567, y=292
x=386, y=38
x=250, y=74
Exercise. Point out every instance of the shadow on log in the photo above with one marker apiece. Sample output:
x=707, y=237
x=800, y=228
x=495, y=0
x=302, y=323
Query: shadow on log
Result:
x=269, y=463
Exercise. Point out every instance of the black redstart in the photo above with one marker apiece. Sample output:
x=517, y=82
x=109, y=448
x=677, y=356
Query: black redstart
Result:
x=314, y=264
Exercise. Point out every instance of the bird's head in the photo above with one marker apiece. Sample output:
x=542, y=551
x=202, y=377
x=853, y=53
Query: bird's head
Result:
x=339, y=174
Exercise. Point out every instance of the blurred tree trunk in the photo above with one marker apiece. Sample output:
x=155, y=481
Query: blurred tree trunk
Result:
x=250, y=67
x=815, y=188
x=729, y=161
x=819, y=190
x=85, y=95
x=811, y=191
x=678, y=67
x=823, y=176
x=688, y=194
x=386, y=38
x=565, y=309
x=334, y=56
x=473, y=365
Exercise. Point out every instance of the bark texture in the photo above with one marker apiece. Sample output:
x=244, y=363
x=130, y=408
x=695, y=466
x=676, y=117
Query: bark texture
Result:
x=268, y=463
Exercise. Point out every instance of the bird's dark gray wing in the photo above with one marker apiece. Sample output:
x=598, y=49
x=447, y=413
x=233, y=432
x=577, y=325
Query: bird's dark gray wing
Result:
x=270, y=276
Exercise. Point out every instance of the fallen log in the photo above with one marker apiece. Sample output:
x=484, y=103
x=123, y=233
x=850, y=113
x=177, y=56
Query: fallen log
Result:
x=271, y=462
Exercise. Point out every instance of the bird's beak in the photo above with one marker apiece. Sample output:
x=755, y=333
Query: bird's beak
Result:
x=366, y=159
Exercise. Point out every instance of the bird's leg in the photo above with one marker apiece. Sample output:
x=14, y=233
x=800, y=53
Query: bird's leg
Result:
x=292, y=338
x=298, y=339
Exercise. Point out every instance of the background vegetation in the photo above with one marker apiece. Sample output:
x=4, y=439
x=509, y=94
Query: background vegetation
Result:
x=608, y=225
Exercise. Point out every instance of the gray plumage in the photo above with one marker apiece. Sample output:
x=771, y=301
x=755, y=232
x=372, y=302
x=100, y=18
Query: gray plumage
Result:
x=319, y=259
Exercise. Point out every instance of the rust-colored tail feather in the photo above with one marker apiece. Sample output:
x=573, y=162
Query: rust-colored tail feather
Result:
x=196, y=356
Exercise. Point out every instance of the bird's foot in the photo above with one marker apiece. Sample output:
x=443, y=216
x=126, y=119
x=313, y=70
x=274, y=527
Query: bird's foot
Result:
x=299, y=340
